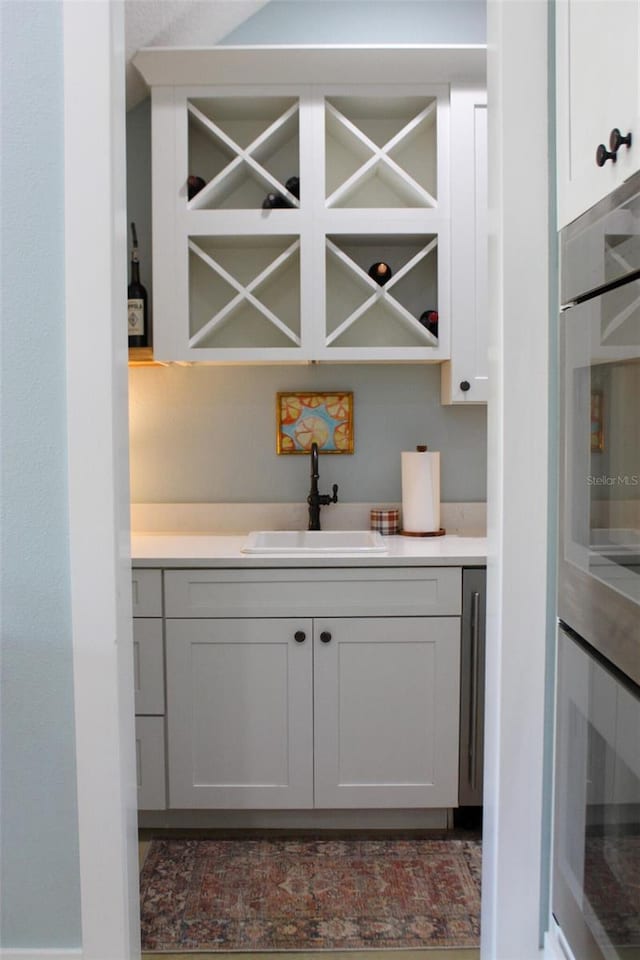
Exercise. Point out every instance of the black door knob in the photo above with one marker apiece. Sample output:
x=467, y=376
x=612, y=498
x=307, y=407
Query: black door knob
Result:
x=300, y=636
x=602, y=155
x=325, y=636
x=465, y=385
x=616, y=140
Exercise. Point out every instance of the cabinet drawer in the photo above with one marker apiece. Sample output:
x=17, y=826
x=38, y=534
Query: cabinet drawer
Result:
x=398, y=591
x=150, y=766
x=146, y=590
x=148, y=665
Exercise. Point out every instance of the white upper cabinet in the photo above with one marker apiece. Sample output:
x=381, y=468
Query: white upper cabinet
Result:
x=465, y=377
x=355, y=178
x=272, y=202
x=598, y=74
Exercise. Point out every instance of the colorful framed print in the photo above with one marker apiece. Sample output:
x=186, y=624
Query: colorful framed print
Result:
x=305, y=417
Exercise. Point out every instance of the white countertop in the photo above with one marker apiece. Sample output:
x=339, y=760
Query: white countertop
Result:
x=209, y=550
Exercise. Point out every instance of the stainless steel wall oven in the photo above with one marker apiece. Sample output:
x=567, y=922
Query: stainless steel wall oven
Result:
x=596, y=875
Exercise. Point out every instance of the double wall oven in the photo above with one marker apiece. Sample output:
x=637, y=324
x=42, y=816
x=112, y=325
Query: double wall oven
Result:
x=596, y=869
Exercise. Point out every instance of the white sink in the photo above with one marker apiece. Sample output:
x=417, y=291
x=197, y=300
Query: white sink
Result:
x=314, y=541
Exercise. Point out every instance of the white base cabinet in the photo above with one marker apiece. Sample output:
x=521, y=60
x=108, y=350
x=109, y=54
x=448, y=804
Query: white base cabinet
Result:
x=266, y=711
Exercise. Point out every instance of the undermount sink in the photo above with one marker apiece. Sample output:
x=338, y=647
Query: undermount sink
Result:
x=314, y=541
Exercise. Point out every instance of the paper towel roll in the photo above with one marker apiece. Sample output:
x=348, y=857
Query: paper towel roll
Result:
x=421, y=492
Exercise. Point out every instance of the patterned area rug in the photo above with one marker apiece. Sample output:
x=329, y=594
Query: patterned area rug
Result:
x=294, y=894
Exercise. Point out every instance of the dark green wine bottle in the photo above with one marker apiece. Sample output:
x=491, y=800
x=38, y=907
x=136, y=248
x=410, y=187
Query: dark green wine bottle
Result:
x=138, y=301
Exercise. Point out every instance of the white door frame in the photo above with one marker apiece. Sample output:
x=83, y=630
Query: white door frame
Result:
x=517, y=88
x=97, y=392
x=98, y=468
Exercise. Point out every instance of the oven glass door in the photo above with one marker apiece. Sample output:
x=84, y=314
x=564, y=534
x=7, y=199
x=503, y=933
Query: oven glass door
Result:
x=599, y=550
x=600, y=350
x=596, y=883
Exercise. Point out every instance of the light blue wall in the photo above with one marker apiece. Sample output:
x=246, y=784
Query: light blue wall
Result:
x=208, y=434
x=39, y=829
x=364, y=21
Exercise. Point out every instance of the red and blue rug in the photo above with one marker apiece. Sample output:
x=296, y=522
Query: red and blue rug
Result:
x=301, y=894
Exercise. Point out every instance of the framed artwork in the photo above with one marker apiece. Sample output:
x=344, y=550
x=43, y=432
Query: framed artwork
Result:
x=597, y=422
x=305, y=417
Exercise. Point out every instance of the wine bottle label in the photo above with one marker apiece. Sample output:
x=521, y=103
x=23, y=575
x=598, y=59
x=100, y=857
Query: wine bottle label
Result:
x=136, y=318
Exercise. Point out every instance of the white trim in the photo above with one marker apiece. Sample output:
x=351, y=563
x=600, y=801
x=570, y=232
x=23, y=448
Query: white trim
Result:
x=13, y=953
x=344, y=63
x=95, y=280
x=517, y=480
x=106, y=785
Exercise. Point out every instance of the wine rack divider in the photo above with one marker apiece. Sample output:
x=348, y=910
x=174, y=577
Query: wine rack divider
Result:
x=244, y=293
x=244, y=159
x=378, y=293
x=378, y=158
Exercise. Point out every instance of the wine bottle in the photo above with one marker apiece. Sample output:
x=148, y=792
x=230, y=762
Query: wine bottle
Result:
x=194, y=186
x=429, y=319
x=293, y=186
x=380, y=272
x=137, y=307
x=275, y=201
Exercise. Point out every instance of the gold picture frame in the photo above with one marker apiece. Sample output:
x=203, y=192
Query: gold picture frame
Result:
x=305, y=416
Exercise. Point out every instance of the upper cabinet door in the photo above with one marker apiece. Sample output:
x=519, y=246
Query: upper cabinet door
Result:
x=597, y=69
x=465, y=377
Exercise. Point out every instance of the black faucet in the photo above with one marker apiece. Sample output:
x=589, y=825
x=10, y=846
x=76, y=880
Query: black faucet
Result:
x=315, y=499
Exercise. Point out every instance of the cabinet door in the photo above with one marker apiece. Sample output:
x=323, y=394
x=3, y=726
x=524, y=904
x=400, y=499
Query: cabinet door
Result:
x=597, y=90
x=239, y=713
x=465, y=378
x=386, y=711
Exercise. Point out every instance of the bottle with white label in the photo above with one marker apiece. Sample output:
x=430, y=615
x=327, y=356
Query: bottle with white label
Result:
x=137, y=307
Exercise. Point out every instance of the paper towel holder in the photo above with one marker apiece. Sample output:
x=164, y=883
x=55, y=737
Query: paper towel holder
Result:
x=422, y=448
x=432, y=533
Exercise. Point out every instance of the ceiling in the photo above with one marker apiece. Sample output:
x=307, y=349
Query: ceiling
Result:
x=177, y=23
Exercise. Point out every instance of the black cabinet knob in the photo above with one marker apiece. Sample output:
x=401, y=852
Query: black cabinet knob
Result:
x=325, y=636
x=616, y=140
x=465, y=385
x=602, y=155
x=300, y=636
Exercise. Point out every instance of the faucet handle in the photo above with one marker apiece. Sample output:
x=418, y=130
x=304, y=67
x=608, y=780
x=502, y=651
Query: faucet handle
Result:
x=334, y=498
